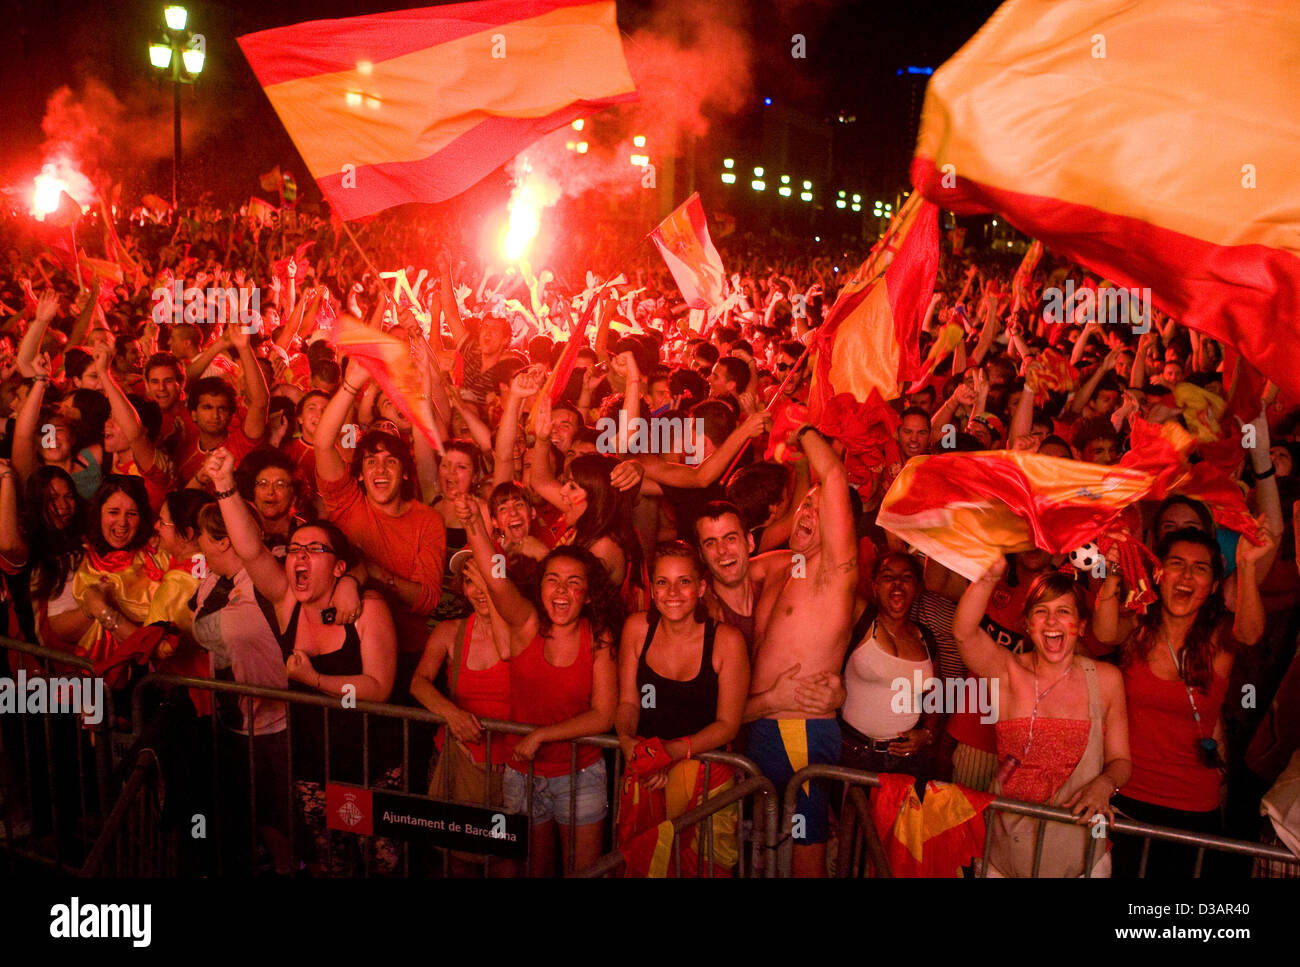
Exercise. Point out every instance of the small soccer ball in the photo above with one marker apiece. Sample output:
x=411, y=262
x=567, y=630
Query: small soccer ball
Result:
x=1085, y=558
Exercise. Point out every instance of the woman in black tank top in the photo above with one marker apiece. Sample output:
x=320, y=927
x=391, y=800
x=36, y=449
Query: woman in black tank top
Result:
x=682, y=680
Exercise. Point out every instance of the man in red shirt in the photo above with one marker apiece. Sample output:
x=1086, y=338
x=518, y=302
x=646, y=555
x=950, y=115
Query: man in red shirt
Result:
x=212, y=405
x=404, y=541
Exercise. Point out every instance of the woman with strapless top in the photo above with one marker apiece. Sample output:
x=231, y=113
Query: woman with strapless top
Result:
x=1062, y=726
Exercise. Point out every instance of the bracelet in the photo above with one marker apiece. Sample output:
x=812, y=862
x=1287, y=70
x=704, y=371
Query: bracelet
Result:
x=105, y=619
x=223, y=494
x=348, y=388
x=687, y=740
x=1271, y=471
x=41, y=379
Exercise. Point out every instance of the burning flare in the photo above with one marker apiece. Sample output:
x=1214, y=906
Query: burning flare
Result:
x=532, y=193
x=45, y=199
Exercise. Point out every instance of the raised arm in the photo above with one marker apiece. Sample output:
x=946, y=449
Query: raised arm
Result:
x=329, y=463
x=245, y=535
x=838, y=528
x=1248, y=622
x=711, y=469
x=30, y=347
x=515, y=609
x=25, y=458
x=124, y=414
x=981, y=655
x=256, y=392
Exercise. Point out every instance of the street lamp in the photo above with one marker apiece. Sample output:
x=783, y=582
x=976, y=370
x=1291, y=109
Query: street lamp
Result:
x=182, y=53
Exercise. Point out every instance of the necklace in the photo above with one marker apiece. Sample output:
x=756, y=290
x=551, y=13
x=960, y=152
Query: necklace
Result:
x=1038, y=697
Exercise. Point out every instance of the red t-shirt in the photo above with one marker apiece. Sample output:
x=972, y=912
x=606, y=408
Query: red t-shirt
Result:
x=1164, y=740
x=411, y=546
x=541, y=694
x=192, y=456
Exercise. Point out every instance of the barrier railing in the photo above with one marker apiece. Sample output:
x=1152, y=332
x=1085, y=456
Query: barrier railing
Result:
x=1122, y=826
x=134, y=841
x=763, y=792
x=45, y=817
x=409, y=717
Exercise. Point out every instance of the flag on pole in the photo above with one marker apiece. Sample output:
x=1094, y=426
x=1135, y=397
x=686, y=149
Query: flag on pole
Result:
x=418, y=105
x=271, y=181
x=260, y=211
x=683, y=240
x=1158, y=163
x=288, y=188
x=870, y=339
x=388, y=360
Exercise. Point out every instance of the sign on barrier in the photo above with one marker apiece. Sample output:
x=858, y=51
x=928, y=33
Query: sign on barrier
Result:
x=382, y=812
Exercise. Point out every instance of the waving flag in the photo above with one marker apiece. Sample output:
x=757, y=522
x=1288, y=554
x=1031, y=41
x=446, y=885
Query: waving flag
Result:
x=683, y=240
x=388, y=360
x=418, y=105
x=1152, y=141
x=965, y=509
x=870, y=339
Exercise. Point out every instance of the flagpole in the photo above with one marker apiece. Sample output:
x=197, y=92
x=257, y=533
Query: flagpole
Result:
x=796, y=371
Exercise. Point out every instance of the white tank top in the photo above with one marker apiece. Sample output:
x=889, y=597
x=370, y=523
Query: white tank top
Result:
x=873, y=705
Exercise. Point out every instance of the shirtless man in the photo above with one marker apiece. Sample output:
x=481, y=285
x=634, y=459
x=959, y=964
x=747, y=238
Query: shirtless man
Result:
x=804, y=615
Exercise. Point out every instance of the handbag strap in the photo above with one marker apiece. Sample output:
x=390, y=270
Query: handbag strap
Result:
x=463, y=630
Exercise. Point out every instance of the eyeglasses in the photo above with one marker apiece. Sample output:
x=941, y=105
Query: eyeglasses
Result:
x=782, y=366
x=316, y=547
x=274, y=484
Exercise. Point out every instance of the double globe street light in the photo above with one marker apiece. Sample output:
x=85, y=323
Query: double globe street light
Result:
x=182, y=53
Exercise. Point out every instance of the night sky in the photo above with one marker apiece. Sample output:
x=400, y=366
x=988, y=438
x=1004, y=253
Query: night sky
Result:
x=232, y=134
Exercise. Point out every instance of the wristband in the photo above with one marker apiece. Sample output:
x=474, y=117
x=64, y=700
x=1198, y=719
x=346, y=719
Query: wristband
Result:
x=348, y=388
x=687, y=740
x=1271, y=471
x=223, y=494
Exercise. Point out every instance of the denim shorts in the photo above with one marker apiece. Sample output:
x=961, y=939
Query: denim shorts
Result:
x=551, y=797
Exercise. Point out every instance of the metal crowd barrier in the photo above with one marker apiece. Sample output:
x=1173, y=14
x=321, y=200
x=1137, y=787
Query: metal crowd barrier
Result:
x=149, y=686
x=46, y=817
x=133, y=842
x=759, y=787
x=1045, y=814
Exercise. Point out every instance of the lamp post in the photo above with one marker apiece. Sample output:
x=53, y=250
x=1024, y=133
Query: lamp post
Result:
x=182, y=53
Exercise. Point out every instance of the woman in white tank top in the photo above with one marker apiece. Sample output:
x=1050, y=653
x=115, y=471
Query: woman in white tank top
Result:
x=884, y=726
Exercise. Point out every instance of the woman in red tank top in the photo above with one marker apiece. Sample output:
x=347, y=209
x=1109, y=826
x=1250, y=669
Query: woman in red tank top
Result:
x=1176, y=661
x=563, y=679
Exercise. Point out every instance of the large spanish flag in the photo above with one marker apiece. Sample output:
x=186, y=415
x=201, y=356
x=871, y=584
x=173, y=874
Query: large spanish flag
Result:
x=683, y=240
x=1152, y=140
x=418, y=105
x=966, y=509
x=870, y=339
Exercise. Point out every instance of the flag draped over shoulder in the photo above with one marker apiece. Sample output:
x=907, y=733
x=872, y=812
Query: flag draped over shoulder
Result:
x=388, y=360
x=683, y=240
x=967, y=509
x=1153, y=142
x=870, y=339
x=418, y=105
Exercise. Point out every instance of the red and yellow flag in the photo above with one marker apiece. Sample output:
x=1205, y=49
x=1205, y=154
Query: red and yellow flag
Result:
x=418, y=105
x=870, y=339
x=966, y=509
x=683, y=240
x=388, y=360
x=1154, y=142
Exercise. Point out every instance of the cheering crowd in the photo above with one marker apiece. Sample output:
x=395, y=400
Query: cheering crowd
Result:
x=243, y=498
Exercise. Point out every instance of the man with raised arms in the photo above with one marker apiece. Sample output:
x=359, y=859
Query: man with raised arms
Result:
x=803, y=616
